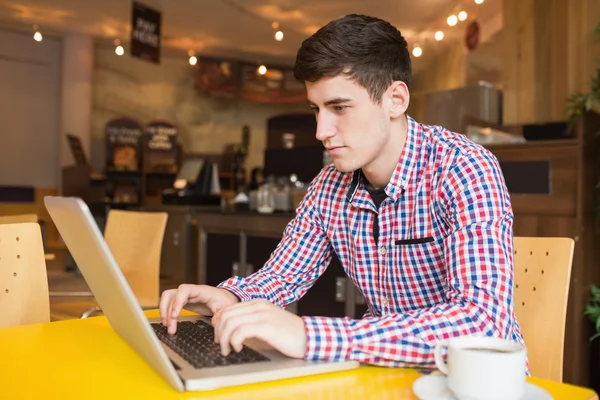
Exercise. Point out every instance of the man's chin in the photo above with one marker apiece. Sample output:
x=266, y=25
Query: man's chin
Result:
x=343, y=168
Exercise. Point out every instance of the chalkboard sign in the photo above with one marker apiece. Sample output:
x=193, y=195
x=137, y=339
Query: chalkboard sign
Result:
x=160, y=147
x=123, y=144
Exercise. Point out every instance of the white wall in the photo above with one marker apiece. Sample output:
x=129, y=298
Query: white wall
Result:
x=29, y=110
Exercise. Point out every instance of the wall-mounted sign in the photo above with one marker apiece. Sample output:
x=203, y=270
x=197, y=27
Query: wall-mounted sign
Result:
x=145, y=32
x=277, y=85
x=232, y=79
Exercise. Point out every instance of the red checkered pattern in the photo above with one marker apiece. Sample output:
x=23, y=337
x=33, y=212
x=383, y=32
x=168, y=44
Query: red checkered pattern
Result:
x=442, y=267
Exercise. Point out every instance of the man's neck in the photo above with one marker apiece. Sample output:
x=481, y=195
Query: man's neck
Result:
x=380, y=171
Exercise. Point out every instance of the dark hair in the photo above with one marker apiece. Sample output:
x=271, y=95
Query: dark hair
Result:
x=369, y=50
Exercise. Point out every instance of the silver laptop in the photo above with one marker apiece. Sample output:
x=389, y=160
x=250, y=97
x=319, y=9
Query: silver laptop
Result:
x=188, y=360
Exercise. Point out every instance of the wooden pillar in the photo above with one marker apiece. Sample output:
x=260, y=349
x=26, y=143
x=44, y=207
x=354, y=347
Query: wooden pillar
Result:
x=548, y=55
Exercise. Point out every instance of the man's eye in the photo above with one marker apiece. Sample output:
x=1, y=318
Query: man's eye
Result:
x=315, y=110
x=339, y=108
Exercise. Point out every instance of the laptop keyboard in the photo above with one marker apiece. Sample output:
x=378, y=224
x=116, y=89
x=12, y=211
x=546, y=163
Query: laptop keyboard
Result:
x=195, y=343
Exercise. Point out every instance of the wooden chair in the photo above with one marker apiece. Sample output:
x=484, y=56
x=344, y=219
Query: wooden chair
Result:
x=135, y=239
x=542, y=276
x=23, y=278
x=19, y=218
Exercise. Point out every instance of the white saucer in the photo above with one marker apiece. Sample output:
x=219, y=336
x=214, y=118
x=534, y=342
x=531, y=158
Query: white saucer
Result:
x=435, y=387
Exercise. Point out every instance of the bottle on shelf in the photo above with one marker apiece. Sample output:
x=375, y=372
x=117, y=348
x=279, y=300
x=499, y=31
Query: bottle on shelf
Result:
x=239, y=169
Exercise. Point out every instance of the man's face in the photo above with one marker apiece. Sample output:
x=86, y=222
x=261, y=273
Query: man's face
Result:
x=352, y=127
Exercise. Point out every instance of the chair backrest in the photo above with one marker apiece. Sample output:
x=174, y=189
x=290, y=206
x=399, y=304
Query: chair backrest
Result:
x=135, y=239
x=542, y=276
x=16, y=219
x=23, y=278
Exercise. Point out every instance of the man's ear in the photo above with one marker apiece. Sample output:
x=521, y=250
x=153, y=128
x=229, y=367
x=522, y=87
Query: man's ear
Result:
x=399, y=96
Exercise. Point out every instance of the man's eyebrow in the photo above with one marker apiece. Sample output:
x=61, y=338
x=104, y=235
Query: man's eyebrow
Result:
x=337, y=100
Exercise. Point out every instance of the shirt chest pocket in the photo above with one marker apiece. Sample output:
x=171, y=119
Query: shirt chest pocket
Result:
x=418, y=272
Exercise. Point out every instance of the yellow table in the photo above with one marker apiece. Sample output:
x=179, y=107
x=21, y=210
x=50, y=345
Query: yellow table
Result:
x=86, y=359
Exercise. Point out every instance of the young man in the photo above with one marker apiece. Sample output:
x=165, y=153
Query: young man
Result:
x=419, y=217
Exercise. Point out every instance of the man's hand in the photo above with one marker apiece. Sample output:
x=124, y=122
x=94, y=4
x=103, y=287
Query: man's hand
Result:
x=203, y=299
x=261, y=320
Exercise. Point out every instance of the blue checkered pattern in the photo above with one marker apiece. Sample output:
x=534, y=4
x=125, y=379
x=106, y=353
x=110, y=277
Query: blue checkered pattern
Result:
x=456, y=280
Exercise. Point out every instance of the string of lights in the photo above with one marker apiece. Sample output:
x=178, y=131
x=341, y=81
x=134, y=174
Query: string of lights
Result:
x=419, y=40
x=424, y=36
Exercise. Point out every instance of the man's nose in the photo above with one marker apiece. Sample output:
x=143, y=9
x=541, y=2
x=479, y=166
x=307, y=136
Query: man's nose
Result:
x=325, y=127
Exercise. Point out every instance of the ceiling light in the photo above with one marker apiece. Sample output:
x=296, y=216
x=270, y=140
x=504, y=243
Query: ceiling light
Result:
x=439, y=35
x=119, y=50
x=193, y=60
x=262, y=70
x=279, y=36
x=452, y=20
x=37, y=36
x=417, y=51
x=478, y=1
x=462, y=15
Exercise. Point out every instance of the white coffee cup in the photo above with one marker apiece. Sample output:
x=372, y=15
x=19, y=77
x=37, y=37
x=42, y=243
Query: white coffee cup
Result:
x=483, y=368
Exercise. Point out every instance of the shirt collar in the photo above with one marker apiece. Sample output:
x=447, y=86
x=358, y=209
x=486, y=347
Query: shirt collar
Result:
x=405, y=168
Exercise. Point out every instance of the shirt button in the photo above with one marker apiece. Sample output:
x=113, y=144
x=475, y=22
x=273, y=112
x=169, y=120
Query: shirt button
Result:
x=382, y=251
x=385, y=302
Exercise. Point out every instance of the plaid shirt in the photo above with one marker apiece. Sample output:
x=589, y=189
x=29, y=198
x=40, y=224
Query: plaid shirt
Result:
x=442, y=266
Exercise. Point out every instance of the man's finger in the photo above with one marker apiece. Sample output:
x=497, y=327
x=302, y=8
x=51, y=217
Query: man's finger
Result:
x=215, y=322
x=231, y=312
x=229, y=324
x=171, y=322
x=165, y=300
x=178, y=301
x=248, y=330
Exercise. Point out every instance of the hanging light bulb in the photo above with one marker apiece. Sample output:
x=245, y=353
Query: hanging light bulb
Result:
x=119, y=49
x=417, y=51
x=478, y=1
x=452, y=20
x=192, y=60
x=279, y=36
x=439, y=35
x=462, y=15
x=37, y=36
x=262, y=70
